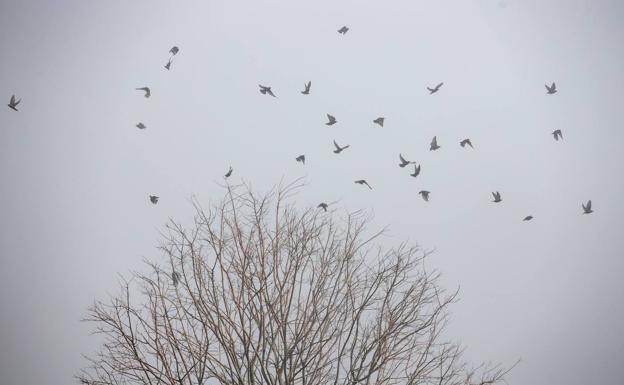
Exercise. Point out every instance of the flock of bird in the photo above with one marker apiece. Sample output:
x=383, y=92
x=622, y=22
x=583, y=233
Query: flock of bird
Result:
x=331, y=120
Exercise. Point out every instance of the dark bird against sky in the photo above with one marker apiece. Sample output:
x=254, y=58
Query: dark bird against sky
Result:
x=266, y=90
x=147, y=91
x=13, y=103
x=416, y=171
x=552, y=89
x=307, y=86
x=403, y=161
x=434, y=144
x=435, y=89
x=557, y=135
x=339, y=149
x=363, y=182
x=465, y=142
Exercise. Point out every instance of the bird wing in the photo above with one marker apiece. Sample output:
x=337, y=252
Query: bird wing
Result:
x=553, y=86
x=337, y=146
x=331, y=118
x=439, y=85
x=12, y=102
x=434, y=141
x=402, y=159
x=589, y=205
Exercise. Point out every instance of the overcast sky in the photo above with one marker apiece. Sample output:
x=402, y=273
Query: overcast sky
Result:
x=76, y=174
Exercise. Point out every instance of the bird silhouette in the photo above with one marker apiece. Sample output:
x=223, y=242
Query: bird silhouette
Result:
x=416, y=171
x=229, y=173
x=404, y=162
x=557, y=135
x=300, y=158
x=552, y=89
x=330, y=120
x=363, y=182
x=528, y=218
x=323, y=206
x=174, y=50
x=307, y=88
x=147, y=91
x=434, y=144
x=13, y=103
x=379, y=121
x=153, y=199
x=168, y=65
x=266, y=90
x=141, y=126
x=175, y=277
x=435, y=89
x=587, y=209
x=425, y=195
x=465, y=142
x=339, y=149
x=497, y=197
x=343, y=30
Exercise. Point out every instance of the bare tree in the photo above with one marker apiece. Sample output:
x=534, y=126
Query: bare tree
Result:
x=256, y=292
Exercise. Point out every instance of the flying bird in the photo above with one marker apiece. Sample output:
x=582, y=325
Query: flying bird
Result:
x=175, y=277
x=168, y=65
x=587, y=208
x=424, y=194
x=404, y=162
x=557, y=135
x=363, y=182
x=434, y=144
x=174, y=50
x=343, y=30
x=141, y=126
x=528, y=218
x=435, y=89
x=300, y=158
x=416, y=171
x=266, y=90
x=552, y=89
x=497, y=197
x=330, y=120
x=307, y=88
x=153, y=199
x=379, y=121
x=229, y=173
x=339, y=149
x=323, y=206
x=13, y=103
x=465, y=142
x=147, y=91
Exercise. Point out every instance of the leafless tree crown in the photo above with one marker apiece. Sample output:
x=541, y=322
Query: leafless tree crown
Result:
x=256, y=292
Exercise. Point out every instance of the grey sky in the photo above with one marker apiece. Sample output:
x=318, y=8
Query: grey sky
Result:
x=76, y=173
